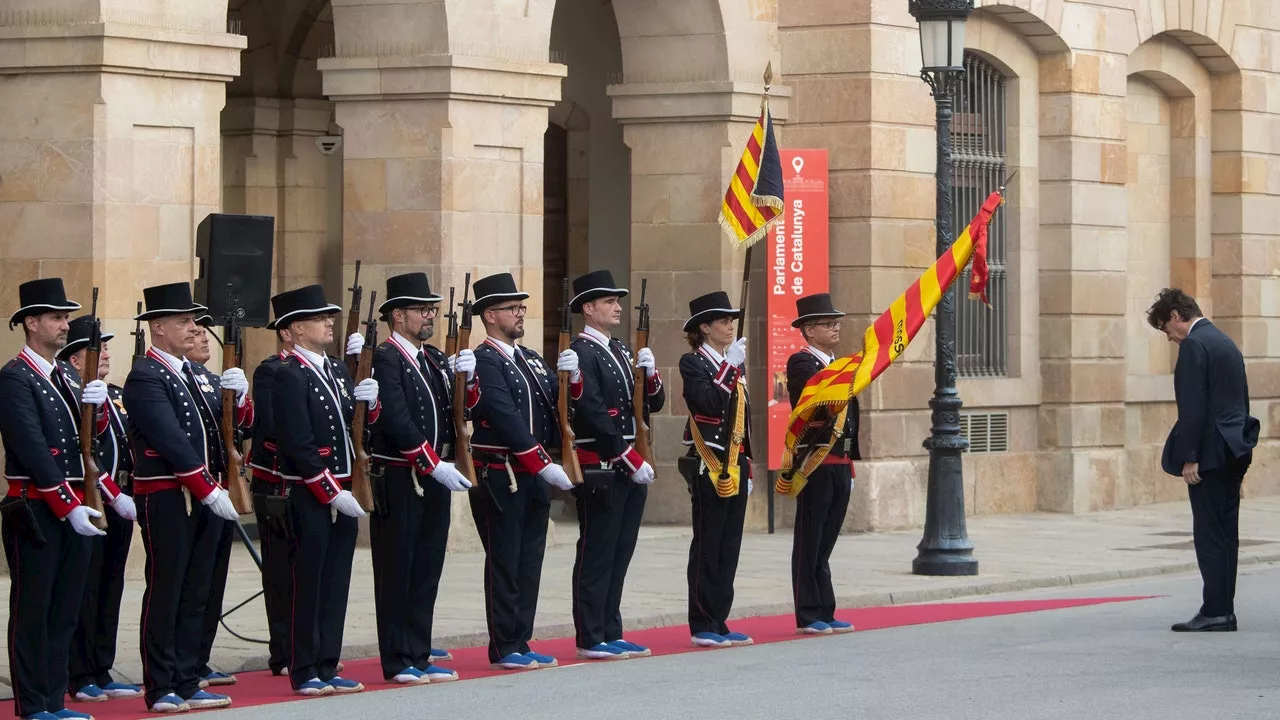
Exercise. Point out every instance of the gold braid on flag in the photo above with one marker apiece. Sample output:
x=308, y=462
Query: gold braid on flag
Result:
x=727, y=487
x=883, y=342
x=753, y=201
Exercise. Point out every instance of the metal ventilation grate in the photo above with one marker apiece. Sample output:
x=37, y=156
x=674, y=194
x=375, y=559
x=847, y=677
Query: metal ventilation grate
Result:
x=987, y=432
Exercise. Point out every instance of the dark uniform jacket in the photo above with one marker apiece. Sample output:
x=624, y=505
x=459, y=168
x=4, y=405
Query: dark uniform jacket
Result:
x=516, y=413
x=416, y=424
x=604, y=423
x=800, y=367
x=314, y=423
x=707, y=385
x=173, y=442
x=264, y=457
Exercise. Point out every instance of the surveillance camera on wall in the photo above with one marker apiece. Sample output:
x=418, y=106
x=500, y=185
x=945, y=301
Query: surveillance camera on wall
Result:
x=328, y=144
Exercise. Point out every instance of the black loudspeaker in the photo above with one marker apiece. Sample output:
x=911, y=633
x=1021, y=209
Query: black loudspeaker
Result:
x=236, y=249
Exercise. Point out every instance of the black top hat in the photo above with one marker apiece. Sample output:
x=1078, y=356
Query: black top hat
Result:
x=171, y=299
x=41, y=296
x=299, y=304
x=78, y=336
x=592, y=286
x=814, y=307
x=706, y=308
x=405, y=290
x=494, y=289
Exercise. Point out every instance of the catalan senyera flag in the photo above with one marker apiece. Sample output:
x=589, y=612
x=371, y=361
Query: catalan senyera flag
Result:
x=753, y=201
x=827, y=393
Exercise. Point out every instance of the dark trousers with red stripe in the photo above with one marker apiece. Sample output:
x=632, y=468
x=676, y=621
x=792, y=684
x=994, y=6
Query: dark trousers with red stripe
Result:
x=323, y=548
x=713, y=553
x=407, y=535
x=220, y=536
x=277, y=577
x=46, y=585
x=608, y=525
x=820, y=511
x=93, y=647
x=179, y=574
x=514, y=535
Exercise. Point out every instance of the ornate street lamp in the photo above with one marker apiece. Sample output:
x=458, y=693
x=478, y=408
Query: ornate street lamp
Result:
x=945, y=548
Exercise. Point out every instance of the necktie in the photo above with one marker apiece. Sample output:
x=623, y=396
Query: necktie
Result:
x=333, y=381
x=423, y=365
x=64, y=387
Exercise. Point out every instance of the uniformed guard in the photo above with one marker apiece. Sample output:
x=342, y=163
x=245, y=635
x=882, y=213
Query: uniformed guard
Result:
x=48, y=558
x=410, y=525
x=93, y=647
x=174, y=415
x=823, y=501
x=610, y=502
x=710, y=371
x=514, y=422
x=316, y=458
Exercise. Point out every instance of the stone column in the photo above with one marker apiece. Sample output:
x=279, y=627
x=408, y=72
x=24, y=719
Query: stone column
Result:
x=109, y=148
x=686, y=139
x=1083, y=251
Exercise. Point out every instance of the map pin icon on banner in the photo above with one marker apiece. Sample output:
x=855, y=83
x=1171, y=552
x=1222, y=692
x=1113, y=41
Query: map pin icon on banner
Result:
x=797, y=162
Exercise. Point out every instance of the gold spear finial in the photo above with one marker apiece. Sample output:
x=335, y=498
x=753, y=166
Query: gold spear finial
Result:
x=768, y=76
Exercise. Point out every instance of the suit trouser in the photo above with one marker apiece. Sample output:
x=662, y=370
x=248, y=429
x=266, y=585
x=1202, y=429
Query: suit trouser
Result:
x=713, y=553
x=608, y=524
x=277, y=577
x=514, y=541
x=820, y=511
x=222, y=535
x=93, y=647
x=1215, y=513
x=45, y=591
x=179, y=572
x=323, y=548
x=408, y=535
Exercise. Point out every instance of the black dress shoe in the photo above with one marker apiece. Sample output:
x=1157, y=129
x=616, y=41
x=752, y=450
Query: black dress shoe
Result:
x=1203, y=623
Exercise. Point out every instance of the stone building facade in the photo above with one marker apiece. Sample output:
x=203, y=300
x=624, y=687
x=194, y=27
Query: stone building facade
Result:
x=550, y=136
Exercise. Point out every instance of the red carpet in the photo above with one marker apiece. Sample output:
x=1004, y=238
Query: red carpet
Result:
x=260, y=688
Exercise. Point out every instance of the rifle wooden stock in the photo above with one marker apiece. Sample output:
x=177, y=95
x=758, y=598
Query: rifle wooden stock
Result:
x=237, y=488
x=640, y=393
x=361, y=487
x=353, y=321
x=568, y=453
x=460, y=339
x=89, y=425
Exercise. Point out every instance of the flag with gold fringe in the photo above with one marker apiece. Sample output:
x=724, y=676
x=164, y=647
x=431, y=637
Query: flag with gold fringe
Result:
x=826, y=396
x=753, y=201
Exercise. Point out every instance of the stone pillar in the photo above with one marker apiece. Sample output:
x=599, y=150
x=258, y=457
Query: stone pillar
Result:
x=1083, y=256
x=686, y=139
x=109, y=148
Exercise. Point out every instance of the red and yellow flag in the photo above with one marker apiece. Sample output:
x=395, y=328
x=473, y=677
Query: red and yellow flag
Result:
x=753, y=201
x=828, y=392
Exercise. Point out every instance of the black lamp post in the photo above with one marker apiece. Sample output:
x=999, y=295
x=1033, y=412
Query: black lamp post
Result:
x=945, y=548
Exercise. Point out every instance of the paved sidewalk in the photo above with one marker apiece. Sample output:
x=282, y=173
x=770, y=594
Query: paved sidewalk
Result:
x=1014, y=552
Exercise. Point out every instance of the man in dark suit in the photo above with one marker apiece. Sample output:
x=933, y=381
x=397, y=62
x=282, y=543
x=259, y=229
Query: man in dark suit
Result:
x=1210, y=447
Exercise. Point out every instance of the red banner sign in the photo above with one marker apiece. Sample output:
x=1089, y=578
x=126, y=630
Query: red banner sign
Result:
x=798, y=266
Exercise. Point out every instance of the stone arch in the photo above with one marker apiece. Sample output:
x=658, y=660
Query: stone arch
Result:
x=1041, y=31
x=1207, y=29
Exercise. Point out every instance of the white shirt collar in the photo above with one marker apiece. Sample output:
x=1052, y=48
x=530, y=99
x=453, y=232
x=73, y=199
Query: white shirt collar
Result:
x=509, y=350
x=318, y=361
x=45, y=366
x=1193, y=324
x=828, y=359
x=174, y=363
x=596, y=335
x=405, y=344
x=712, y=353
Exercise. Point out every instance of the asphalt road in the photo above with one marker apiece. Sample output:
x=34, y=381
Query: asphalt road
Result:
x=1117, y=660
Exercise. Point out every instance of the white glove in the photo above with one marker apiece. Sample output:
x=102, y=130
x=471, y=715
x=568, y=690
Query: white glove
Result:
x=643, y=474
x=555, y=475
x=95, y=393
x=448, y=475
x=751, y=485
x=644, y=359
x=234, y=379
x=464, y=362
x=355, y=344
x=124, y=507
x=367, y=391
x=851, y=481
x=219, y=503
x=737, y=352
x=81, y=521
x=568, y=362
x=346, y=504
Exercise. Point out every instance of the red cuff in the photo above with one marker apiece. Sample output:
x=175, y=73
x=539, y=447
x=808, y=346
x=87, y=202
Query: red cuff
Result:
x=104, y=421
x=654, y=384
x=631, y=458
x=727, y=376
x=575, y=389
x=324, y=486
x=199, y=482
x=473, y=393
x=423, y=458
x=110, y=491
x=245, y=415
x=374, y=412
x=533, y=459
x=61, y=499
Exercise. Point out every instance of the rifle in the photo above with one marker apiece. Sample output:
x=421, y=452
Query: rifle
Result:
x=139, y=338
x=568, y=455
x=89, y=420
x=640, y=393
x=234, y=470
x=353, y=321
x=360, y=485
x=460, y=338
